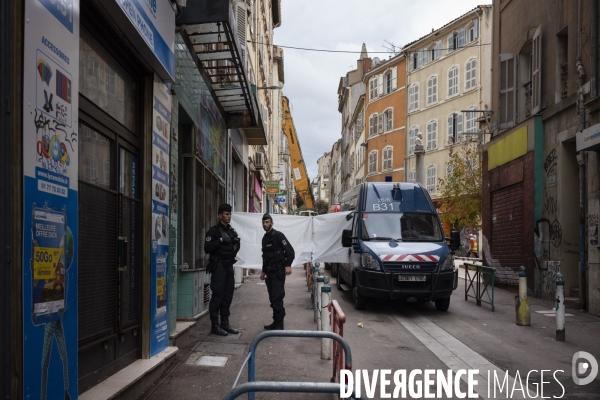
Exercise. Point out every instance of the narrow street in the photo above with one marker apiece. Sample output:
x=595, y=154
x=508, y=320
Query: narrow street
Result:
x=394, y=336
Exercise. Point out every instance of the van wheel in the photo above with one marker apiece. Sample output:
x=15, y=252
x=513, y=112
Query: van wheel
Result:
x=442, y=304
x=334, y=270
x=360, y=302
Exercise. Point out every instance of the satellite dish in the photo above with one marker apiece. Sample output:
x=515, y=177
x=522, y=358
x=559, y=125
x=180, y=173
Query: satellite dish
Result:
x=376, y=61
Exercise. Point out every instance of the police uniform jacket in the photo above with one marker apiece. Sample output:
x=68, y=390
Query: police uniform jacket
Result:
x=222, y=250
x=277, y=251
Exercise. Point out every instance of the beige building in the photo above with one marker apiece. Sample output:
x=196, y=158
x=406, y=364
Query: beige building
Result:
x=448, y=72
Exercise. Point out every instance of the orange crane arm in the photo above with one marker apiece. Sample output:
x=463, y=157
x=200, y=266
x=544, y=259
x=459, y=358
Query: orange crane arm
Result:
x=299, y=174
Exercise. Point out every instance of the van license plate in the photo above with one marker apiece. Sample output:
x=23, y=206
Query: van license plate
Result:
x=412, y=278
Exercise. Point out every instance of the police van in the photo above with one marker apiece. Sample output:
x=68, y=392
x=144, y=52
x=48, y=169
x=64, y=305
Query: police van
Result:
x=396, y=247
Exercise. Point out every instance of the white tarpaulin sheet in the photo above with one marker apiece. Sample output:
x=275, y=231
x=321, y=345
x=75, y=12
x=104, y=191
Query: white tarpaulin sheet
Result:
x=318, y=237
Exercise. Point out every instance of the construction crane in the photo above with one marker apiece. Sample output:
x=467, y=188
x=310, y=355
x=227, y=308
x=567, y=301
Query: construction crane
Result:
x=299, y=174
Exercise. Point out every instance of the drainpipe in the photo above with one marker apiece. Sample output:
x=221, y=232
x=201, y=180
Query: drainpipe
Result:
x=581, y=109
x=594, y=84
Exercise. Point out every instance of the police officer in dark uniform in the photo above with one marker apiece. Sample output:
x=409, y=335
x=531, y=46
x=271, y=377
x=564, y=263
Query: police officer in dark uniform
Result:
x=278, y=255
x=222, y=243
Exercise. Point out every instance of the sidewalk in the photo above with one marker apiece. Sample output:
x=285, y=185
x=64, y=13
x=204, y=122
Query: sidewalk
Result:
x=277, y=359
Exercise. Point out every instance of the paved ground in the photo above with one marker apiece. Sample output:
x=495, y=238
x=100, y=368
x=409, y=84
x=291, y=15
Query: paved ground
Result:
x=394, y=336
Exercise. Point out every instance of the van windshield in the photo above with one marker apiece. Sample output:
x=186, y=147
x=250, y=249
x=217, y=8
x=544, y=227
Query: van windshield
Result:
x=401, y=227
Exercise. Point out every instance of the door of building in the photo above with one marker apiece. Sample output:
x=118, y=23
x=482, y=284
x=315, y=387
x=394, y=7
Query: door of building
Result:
x=110, y=252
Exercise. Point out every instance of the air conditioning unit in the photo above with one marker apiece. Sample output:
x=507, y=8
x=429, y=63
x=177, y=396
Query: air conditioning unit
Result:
x=259, y=161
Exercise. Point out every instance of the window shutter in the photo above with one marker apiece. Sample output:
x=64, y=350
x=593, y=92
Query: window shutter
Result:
x=537, y=71
x=507, y=102
x=241, y=28
x=380, y=123
x=380, y=85
x=459, y=127
x=450, y=128
x=461, y=37
x=450, y=43
x=394, y=78
x=476, y=28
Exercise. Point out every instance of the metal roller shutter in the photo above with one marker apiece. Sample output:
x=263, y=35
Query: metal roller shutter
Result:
x=507, y=226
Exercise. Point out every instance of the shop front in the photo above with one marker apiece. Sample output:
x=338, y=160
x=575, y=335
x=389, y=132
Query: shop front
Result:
x=96, y=125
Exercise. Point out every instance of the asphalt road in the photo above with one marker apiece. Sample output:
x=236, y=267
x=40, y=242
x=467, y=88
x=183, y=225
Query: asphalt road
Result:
x=393, y=336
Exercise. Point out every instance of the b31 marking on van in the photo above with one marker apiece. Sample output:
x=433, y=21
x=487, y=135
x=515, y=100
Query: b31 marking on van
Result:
x=409, y=257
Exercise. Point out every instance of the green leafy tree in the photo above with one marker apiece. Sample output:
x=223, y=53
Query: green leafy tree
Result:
x=461, y=191
x=322, y=207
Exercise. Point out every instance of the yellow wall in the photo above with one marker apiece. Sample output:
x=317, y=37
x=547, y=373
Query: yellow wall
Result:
x=510, y=148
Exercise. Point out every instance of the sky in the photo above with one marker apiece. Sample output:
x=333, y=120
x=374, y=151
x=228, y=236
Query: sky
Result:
x=312, y=78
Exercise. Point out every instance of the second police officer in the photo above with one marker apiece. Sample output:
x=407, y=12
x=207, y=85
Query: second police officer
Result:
x=278, y=255
x=223, y=244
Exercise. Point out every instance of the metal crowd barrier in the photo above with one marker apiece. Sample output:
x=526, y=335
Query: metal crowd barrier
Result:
x=338, y=318
x=475, y=276
x=252, y=386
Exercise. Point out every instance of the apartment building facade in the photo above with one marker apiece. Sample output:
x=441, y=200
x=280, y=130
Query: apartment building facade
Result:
x=385, y=120
x=540, y=168
x=448, y=73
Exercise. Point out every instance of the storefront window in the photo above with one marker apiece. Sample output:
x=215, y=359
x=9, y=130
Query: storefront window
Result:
x=104, y=82
x=95, y=152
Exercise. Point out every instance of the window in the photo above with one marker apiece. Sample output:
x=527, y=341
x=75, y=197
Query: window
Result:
x=536, y=71
x=412, y=177
x=421, y=58
x=471, y=74
x=373, y=162
x=470, y=124
x=449, y=169
x=436, y=52
x=432, y=135
x=562, y=65
x=379, y=123
x=388, y=152
x=107, y=173
x=431, y=178
x=451, y=42
x=432, y=90
x=91, y=169
x=474, y=30
x=388, y=120
x=413, y=97
x=412, y=134
x=454, y=128
x=462, y=37
x=373, y=89
x=388, y=82
x=507, y=102
x=373, y=125
x=453, y=81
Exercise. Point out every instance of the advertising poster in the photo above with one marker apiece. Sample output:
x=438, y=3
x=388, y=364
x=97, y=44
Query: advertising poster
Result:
x=161, y=131
x=50, y=164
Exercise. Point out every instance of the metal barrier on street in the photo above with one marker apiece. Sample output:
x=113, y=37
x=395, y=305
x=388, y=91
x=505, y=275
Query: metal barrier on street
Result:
x=475, y=277
x=251, y=387
x=338, y=318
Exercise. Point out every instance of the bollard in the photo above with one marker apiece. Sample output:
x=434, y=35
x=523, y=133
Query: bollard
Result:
x=326, y=344
x=522, y=304
x=560, y=308
x=320, y=280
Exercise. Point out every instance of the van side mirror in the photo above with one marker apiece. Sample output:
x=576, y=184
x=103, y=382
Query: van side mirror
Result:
x=347, y=238
x=454, y=240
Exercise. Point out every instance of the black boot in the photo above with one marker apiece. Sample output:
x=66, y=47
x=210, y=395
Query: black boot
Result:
x=216, y=329
x=227, y=328
x=275, y=326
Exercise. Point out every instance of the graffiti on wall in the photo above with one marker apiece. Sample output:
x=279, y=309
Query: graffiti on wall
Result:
x=549, y=276
x=593, y=229
x=542, y=240
x=550, y=163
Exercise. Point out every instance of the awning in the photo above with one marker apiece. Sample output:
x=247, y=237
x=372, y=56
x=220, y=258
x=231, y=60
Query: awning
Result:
x=216, y=37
